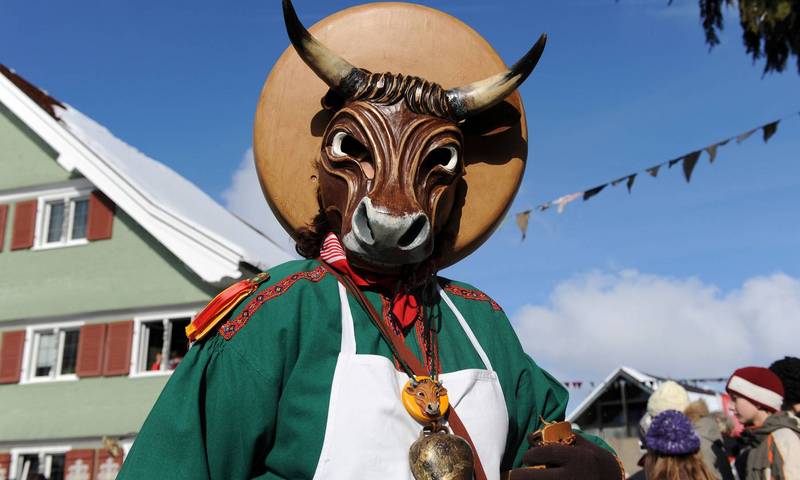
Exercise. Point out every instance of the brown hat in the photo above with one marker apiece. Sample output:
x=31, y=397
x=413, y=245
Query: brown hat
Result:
x=402, y=38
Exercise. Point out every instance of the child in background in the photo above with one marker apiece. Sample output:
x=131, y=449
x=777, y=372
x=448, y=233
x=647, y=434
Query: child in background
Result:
x=673, y=450
x=772, y=439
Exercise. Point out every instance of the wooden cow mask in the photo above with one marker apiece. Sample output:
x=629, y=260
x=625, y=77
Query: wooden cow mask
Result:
x=391, y=155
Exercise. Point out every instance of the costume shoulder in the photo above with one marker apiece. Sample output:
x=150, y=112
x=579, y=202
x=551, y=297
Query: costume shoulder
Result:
x=237, y=305
x=464, y=294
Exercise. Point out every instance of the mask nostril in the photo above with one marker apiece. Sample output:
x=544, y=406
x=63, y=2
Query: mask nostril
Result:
x=362, y=225
x=413, y=232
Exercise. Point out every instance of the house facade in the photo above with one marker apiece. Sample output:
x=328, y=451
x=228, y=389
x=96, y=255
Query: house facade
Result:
x=105, y=256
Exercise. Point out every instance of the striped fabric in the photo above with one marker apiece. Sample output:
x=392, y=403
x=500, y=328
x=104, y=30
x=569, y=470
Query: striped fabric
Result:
x=332, y=251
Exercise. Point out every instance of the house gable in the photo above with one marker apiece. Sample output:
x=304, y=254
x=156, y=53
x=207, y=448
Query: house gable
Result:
x=216, y=245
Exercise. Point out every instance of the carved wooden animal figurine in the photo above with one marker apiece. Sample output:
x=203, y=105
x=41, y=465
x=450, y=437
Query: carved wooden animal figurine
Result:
x=429, y=397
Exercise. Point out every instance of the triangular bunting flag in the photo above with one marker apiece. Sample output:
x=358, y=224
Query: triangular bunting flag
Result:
x=689, y=161
x=522, y=222
x=544, y=206
x=712, y=152
x=593, y=191
x=618, y=181
x=741, y=138
x=653, y=171
x=629, y=184
x=674, y=161
x=769, y=130
x=563, y=201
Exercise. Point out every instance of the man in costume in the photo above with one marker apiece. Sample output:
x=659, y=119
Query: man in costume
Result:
x=359, y=362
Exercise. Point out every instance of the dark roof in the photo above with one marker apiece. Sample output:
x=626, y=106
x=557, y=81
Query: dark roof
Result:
x=45, y=101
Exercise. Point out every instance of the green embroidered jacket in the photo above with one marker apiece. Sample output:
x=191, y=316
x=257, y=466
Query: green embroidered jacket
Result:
x=251, y=400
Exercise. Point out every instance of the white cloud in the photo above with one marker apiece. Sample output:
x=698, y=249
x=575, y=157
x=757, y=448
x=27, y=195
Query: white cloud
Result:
x=598, y=321
x=244, y=198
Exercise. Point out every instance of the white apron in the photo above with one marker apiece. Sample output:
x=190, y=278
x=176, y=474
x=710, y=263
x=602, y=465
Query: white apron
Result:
x=368, y=431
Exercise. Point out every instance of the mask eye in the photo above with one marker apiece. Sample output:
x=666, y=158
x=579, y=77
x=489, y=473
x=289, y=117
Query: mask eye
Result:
x=445, y=157
x=344, y=145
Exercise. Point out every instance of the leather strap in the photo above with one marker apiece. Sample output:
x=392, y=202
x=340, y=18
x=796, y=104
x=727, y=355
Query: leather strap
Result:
x=407, y=357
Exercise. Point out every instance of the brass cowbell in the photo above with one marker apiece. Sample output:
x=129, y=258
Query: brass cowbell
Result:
x=440, y=455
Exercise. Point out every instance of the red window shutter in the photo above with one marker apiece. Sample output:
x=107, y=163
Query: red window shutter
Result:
x=3, y=217
x=5, y=465
x=79, y=458
x=90, y=350
x=106, y=461
x=24, y=225
x=11, y=356
x=101, y=217
x=117, y=359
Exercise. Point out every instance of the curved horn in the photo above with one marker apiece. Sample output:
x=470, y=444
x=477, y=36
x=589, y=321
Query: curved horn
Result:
x=478, y=96
x=340, y=75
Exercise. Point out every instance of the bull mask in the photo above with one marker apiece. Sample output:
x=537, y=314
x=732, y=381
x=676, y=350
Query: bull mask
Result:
x=391, y=155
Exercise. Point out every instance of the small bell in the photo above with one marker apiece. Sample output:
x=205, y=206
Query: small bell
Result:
x=440, y=455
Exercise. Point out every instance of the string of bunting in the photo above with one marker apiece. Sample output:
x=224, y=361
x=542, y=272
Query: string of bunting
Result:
x=578, y=384
x=687, y=161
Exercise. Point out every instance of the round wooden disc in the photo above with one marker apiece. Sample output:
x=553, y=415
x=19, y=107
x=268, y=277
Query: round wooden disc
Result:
x=400, y=38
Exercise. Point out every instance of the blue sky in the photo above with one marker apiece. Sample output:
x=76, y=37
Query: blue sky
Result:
x=621, y=86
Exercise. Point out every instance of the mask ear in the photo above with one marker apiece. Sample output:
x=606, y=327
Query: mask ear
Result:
x=410, y=389
x=442, y=392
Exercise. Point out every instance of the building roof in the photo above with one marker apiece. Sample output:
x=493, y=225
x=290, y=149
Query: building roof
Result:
x=648, y=383
x=210, y=240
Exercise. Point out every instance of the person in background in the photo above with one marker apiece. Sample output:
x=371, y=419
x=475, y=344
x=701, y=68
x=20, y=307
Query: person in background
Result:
x=668, y=396
x=156, y=365
x=174, y=359
x=712, y=448
x=788, y=370
x=771, y=439
x=730, y=438
x=673, y=450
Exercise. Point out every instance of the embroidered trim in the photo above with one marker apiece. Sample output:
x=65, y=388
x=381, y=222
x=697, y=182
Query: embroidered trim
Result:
x=470, y=294
x=391, y=321
x=232, y=326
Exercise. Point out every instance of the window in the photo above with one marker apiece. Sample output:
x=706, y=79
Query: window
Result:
x=54, y=353
x=64, y=221
x=162, y=344
x=30, y=465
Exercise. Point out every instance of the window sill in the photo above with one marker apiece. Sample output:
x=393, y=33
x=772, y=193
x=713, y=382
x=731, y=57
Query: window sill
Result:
x=60, y=378
x=52, y=246
x=151, y=373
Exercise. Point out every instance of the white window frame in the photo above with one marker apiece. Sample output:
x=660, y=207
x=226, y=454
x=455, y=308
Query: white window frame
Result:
x=139, y=338
x=44, y=457
x=68, y=196
x=30, y=351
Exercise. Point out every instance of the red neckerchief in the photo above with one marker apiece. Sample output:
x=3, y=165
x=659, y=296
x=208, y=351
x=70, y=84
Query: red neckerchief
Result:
x=405, y=306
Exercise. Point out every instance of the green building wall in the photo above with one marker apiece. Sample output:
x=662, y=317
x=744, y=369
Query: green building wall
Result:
x=130, y=270
x=89, y=407
x=25, y=160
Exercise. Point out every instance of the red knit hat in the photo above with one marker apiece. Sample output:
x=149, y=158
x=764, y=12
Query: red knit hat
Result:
x=759, y=385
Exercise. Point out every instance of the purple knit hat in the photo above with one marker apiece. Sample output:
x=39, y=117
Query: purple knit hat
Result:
x=671, y=433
